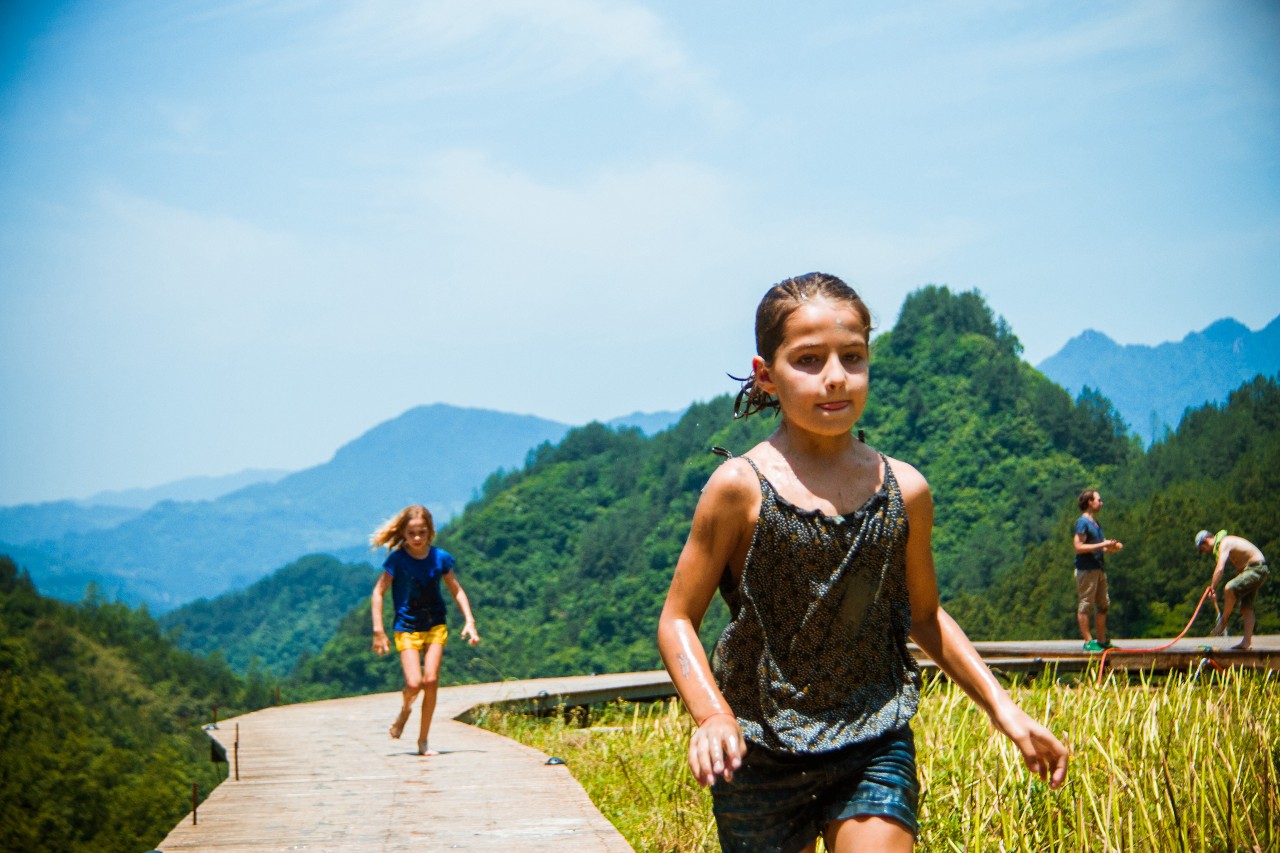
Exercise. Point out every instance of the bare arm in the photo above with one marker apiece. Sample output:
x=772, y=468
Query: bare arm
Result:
x=721, y=526
x=1083, y=547
x=1220, y=567
x=381, y=645
x=933, y=629
x=460, y=596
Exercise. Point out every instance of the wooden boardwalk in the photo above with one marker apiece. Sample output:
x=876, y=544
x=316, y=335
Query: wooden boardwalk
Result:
x=324, y=776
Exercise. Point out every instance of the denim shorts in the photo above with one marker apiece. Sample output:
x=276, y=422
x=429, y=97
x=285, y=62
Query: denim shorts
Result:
x=781, y=802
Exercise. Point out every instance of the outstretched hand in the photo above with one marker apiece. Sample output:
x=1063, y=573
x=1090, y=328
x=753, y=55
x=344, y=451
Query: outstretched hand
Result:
x=716, y=749
x=1043, y=753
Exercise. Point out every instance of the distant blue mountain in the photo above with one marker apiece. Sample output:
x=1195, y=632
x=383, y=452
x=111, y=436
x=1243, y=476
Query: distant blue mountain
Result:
x=28, y=523
x=176, y=552
x=1151, y=387
x=649, y=423
x=187, y=489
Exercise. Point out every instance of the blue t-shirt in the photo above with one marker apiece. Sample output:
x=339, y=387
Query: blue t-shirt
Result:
x=415, y=588
x=1092, y=532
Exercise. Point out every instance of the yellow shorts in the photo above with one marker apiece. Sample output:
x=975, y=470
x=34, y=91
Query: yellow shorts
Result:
x=438, y=636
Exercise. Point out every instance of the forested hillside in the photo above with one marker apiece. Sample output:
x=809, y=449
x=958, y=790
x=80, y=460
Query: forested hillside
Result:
x=100, y=716
x=568, y=560
x=1221, y=469
x=277, y=621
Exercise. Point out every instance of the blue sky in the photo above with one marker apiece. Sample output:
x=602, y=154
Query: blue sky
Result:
x=238, y=234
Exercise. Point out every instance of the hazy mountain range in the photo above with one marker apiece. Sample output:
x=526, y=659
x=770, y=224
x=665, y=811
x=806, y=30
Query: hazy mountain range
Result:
x=1151, y=386
x=177, y=551
x=186, y=489
x=182, y=548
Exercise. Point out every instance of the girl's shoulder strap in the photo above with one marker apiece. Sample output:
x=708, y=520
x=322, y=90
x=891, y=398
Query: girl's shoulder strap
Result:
x=720, y=451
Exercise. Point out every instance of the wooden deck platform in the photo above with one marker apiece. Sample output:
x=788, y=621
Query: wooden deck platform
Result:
x=324, y=776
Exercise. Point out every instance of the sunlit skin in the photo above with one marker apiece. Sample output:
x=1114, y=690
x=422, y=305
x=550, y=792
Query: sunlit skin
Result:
x=1240, y=552
x=820, y=374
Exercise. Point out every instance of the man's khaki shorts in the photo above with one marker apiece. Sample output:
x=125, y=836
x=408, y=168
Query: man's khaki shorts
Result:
x=1091, y=586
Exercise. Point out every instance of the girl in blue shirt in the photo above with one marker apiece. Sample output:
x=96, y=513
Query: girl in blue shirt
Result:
x=413, y=570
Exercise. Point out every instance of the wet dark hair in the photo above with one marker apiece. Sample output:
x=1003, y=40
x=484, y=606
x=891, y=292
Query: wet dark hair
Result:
x=771, y=317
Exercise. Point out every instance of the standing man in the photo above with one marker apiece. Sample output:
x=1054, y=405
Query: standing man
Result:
x=1251, y=571
x=1091, y=575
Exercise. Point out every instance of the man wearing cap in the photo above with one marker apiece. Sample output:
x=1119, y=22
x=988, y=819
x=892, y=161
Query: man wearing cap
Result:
x=1251, y=570
x=1091, y=575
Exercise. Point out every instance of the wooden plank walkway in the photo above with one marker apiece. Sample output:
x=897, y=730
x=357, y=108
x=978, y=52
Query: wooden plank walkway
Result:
x=1190, y=653
x=324, y=776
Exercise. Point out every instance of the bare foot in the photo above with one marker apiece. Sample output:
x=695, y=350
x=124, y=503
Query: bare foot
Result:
x=1219, y=628
x=397, y=728
x=423, y=749
x=1240, y=647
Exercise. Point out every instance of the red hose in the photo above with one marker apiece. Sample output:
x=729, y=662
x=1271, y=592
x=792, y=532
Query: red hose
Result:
x=1102, y=663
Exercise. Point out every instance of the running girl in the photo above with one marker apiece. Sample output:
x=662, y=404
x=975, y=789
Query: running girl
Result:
x=821, y=547
x=413, y=570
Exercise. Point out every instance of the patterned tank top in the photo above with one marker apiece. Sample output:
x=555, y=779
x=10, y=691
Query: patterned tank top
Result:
x=815, y=656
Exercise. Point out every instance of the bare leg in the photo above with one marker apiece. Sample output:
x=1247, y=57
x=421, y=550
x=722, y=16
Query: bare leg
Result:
x=1228, y=604
x=410, y=663
x=868, y=833
x=430, y=687
x=1246, y=616
x=1100, y=627
x=1083, y=619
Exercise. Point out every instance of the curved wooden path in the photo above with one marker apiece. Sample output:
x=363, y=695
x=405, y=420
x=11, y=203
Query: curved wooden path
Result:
x=324, y=776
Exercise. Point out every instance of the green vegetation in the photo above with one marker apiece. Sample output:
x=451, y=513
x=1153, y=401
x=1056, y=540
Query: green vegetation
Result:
x=1187, y=763
x=567, y=560
x=1220, y=469
x=278, y=622
x=100, y=716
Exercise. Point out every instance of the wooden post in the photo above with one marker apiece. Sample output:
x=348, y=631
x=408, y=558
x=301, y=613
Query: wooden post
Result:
x=236, y=750
x=195, y=791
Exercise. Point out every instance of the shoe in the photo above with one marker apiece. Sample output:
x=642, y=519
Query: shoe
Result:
x=397, y=728
x=1093, y=646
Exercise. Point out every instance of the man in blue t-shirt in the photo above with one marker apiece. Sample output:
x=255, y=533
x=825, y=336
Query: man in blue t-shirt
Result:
x=1091, y=574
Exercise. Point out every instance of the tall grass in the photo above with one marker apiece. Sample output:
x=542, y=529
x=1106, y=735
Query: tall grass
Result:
x=1182, y=763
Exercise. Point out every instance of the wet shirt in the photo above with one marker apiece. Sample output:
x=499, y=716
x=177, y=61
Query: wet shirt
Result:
x=415, y=588
x=815, y=657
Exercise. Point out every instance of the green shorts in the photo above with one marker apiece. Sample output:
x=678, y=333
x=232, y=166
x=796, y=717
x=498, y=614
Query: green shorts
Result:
x=1245, y=585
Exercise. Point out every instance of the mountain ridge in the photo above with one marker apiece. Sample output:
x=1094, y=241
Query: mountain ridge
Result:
x=179, y=551
x=1153, y=386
